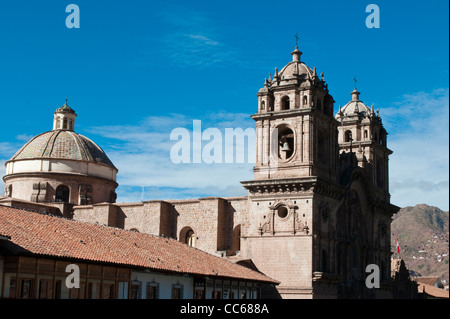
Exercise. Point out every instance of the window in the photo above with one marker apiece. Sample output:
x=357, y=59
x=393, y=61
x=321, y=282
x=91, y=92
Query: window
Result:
x=122, y=291
x=282, y=212
x=177, y=291
x=62, y=194
x=263, y=105
x=26, y=288
x=152, y=290
x=305, y=100
x=136, y=289
x=44, y=289
x=199, y=294
x=285, y=142
x=57, y=289
x=348, y=136
x=188, y=236
x=65, y=123
x=109, y=291
x=285, y=103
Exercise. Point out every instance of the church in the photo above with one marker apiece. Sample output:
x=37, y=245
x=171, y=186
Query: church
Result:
x=317, y=212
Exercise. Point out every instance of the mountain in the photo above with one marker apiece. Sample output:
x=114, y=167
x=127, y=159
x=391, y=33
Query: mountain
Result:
x=422, y=232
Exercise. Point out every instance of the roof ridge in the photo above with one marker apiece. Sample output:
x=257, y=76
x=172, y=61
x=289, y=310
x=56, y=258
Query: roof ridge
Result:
x=51, y=142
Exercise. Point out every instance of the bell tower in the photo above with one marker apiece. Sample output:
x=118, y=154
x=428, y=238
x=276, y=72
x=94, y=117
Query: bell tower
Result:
x=295, y=180
x=361, y=132
x=295, y=128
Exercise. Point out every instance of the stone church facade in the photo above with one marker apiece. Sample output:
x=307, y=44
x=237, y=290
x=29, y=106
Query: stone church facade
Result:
x=317, y=213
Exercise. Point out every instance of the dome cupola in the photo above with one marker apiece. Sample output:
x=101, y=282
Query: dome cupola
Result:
x=64, y=118
x=61, y=165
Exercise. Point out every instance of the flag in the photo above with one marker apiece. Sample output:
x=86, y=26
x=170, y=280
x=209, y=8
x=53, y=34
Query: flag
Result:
x=398, y=247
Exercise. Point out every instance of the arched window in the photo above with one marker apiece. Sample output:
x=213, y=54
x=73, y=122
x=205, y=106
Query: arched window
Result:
x=305, y=100
x=285, y=103
x=187, y=236
x=348, y=136
x=285, y=142
x=263, y=105
x=62, y=194
x=65, y=123
x=365, y=134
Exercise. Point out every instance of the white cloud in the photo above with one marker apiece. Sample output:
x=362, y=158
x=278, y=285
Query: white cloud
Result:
x=142, y=155
x=419, y=136
x=193, y=38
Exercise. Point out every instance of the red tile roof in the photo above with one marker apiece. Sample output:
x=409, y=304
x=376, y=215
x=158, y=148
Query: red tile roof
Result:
x=431, y=281
x=53, y=236
x=432, y=291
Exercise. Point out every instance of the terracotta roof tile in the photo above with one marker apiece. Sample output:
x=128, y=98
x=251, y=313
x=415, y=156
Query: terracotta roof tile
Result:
x=427, y=280
x=432, y=291
x=53, y=236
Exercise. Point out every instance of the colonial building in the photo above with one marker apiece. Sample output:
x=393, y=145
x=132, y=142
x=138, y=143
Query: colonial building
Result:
x=318, y=209
x=36, y=250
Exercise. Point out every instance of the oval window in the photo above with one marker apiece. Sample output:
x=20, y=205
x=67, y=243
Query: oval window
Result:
x=282, y=212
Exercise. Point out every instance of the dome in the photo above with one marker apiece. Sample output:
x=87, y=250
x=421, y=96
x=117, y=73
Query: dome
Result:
x=61, y=166
x=293, y=72
x=294, y=69
x=62, y=144
x=354, y=108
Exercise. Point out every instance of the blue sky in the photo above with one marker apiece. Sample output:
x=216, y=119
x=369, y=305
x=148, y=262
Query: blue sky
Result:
x=135, y=70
